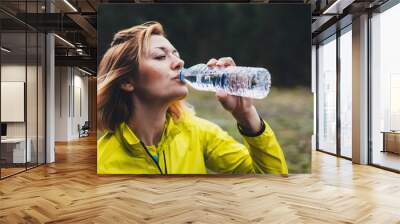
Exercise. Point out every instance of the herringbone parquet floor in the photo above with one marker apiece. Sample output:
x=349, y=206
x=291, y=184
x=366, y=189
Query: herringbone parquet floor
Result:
x=69, y=191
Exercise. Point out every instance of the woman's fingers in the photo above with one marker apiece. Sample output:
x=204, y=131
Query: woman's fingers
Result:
x=222, y=62
x=227, y=101
x=212, y=62
x=225, y=62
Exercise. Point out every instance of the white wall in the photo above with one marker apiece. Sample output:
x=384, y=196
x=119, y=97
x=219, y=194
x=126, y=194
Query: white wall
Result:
x=71, y=94
x=33, y=126
x=16, y=72
x=80, y=96
x=61, y=103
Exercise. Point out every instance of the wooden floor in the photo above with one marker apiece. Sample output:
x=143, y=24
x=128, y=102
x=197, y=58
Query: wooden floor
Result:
x=10, y=171
x=69, y=191
x=387, y=159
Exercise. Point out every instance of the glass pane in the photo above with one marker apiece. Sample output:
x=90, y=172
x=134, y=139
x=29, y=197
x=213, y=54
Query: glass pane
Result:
x=41, y=98
x=346, y=94
x=31, y=98
x=327, y=96
x=13, y=86
x=386, y=89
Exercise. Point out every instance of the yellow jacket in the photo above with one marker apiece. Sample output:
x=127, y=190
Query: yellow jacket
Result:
x=189, y=146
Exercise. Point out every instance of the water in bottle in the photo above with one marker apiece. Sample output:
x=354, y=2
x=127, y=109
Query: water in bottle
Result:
x=235, y=80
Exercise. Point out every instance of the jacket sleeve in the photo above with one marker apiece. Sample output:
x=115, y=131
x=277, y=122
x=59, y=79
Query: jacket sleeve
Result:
x=259, y=154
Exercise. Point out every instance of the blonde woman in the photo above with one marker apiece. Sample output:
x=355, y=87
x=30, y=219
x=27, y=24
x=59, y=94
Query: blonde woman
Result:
x=149, y=130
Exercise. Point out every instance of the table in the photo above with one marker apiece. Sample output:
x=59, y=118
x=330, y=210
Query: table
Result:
x=13, y=150
x=391, y=141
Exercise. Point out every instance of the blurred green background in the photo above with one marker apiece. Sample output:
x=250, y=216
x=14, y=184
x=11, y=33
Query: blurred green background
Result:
x=289, y=112
x=273, y=36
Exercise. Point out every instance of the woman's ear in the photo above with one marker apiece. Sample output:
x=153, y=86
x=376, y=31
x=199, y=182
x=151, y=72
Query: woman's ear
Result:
x=127, y=86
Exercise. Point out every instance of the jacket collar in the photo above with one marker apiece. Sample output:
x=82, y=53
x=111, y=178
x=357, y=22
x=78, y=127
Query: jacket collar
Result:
x=171, y=129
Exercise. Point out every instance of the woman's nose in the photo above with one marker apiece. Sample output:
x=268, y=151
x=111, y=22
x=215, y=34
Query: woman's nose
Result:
x=177, y=63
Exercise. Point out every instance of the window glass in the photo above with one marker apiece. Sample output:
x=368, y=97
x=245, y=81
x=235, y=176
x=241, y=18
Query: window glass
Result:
x=327, y=96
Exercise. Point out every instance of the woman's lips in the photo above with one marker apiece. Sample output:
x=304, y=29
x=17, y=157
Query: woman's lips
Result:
x=176, y=77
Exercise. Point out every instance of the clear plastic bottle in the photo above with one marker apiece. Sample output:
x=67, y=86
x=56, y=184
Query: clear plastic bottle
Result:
x=235, y=80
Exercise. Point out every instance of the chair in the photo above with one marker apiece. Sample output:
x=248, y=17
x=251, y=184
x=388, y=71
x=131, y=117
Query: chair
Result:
x=84, y=130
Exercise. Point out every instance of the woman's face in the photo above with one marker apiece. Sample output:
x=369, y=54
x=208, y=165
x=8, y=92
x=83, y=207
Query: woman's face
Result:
x=158, y=73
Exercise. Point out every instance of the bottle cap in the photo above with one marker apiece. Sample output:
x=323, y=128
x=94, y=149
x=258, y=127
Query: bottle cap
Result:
x=181, y=74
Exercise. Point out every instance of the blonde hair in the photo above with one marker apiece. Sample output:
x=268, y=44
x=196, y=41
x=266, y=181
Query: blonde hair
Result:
x=120, y=64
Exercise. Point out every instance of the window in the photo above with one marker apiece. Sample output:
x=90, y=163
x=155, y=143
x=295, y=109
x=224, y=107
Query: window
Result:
x=327, y=95
x=346, y=92
x=385, y=88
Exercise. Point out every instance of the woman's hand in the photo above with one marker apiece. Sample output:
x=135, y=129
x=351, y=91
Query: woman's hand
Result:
x=241, y=108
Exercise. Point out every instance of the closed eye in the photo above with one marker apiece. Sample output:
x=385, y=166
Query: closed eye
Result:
x=161, y=57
